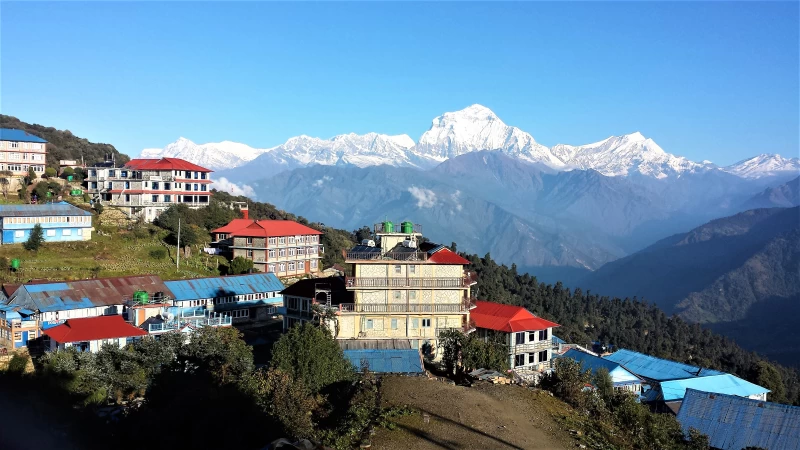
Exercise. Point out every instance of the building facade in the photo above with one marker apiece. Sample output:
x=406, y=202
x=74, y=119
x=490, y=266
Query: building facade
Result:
x=249, y=300
x=60, y=222
x=282, y=247
x=146, y=187
x=20, y=151
x=301, y=297
x=529, y=338
x=91, y=334
x=621, y=378
x=405, y=289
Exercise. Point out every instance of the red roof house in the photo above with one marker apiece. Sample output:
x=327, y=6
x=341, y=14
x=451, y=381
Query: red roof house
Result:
x=446, y=256
x=90, y=331
x=164, y=164
x=507, y=318
x=263, y=228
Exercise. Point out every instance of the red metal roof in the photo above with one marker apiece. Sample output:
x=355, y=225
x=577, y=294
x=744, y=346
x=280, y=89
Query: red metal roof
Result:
x=447, y=256
x=265, y=228
x=93, y=329
x=164, y=164
x=507, y=318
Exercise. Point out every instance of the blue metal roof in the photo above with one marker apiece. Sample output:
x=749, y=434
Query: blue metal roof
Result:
x=721, y=384
x=657, y=369
x=557, y=340
x=387, y=360
x=42, y=210
x=734, y=423
x=619, y=375
x=12, y=134
x=275, y=301
x=212, y=287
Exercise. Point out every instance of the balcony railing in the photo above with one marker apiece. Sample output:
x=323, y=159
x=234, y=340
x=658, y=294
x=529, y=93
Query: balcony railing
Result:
x=388, y=282
x=388, y=256
x=174, y=325
x=466, y=329
x=533, y=346
x=23, y=324
x=406, y=307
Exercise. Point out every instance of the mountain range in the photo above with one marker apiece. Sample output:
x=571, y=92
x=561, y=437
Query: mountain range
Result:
x=453, y=134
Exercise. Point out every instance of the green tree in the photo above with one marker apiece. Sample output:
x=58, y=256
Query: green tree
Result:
x=67, y=172
x=766, y=375
x=50, y=172
x=5, y=181
x=601, y=380
x=31, y=177
x=567, y=381
x=35, y=240
x=220, y=352
x=79, y=174
x=217, y=215
x=288, y=400
x=41, y=189
x=697, y=440
x=309, y=354
x=240, y=265
x=98, y=208
x=452, y=343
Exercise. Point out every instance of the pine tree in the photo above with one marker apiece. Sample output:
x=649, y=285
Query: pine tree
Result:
x=35, y=240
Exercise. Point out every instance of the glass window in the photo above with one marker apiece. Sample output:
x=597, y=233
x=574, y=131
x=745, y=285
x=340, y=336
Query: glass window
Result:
x=519, y=360
x=397, y=269
x=272, y=254
x=426, y=323
x=167, y=198
x=301, y=265
x=368, y=325
x=543, y=335
x=412, y=295
x=531, y=358
x=543, y=356
x=51, y=233
x=519, y=338
x=66, y=232
x=412, y=269
x=414, y=323
x=282, y=240
x=397, y=295
x=394, y=324
x=155, y=198
x=291, y=266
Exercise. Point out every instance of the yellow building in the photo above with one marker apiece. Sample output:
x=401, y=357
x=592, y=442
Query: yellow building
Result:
x=404, y=288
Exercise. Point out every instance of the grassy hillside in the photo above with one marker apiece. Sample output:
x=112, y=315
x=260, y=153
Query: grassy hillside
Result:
x=62, y=144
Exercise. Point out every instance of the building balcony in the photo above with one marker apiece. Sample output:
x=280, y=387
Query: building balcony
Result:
x=409, y=282
x=532, y=347
x=219, y=321
x=352, y=257
x=466, y=329
x=23, y=323
x=425, y=308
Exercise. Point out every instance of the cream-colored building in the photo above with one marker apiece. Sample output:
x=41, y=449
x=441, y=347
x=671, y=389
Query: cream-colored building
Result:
x=405, y=289
x=20, y=151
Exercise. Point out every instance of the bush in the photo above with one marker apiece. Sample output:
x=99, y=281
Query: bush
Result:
x=35, y=240
x=240, y=265
x=18, y=364
x=68, y=171
x=50, y=172
x=158, y=253
x=98, y=207
x=309, y=354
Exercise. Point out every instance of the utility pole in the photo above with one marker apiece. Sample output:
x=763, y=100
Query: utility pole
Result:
x=178, y=252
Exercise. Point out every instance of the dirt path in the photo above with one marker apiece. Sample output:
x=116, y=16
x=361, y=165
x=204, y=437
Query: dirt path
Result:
x=484, y=416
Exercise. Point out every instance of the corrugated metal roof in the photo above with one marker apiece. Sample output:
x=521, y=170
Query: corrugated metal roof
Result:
x=212, y=287
x=721, y=384
x=62, y=296
x=619, y=374
x=658, y=369
x=507, y=318
x=734, y=423
x=93, y=329
x=46, y=209
x=387, y=361
x=13, y=134
x=164, y=164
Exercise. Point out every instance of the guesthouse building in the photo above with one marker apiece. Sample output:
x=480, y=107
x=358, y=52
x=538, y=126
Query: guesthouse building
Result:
x=89, y=334
x=60, y=222
x=621, y=378
x=21, y=151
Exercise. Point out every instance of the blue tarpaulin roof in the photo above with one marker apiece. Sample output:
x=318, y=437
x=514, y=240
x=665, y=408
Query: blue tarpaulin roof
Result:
x=734, y=423
x=657, y=369
x=212, y=287
x=42, y=210
x=13, y=134
x=387, y=360
x=722, y=384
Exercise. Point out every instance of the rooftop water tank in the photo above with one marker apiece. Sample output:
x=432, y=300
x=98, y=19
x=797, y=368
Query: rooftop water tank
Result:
x=141, y=297
x=407, y=227
x=388, y=227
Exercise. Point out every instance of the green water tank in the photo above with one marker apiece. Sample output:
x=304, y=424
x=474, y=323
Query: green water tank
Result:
x=49, y=194
x=407, y=227
x=76, y=192
x=141, y=297
x=15, y=263
x=69, y=177
x=388, y=227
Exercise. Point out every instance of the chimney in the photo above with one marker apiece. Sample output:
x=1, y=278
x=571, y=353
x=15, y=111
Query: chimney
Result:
x=245, y=214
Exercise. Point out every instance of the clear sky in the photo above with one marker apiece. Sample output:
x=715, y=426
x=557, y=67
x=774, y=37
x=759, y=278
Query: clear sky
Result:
x=714, y=81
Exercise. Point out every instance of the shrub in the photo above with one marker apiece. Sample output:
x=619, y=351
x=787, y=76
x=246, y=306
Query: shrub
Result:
x=50, y=172
x=18, y=364
x=35, y=240
x=158, y=253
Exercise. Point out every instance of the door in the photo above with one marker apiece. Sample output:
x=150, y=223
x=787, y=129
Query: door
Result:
x=24, y=340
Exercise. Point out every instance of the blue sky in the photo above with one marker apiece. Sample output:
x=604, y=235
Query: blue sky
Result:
x=714, y=81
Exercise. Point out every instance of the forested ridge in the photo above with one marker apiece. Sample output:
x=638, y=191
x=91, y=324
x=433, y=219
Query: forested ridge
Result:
x=62, y=144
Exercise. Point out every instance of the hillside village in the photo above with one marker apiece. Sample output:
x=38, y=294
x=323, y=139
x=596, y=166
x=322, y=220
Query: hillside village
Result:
x=389, y=306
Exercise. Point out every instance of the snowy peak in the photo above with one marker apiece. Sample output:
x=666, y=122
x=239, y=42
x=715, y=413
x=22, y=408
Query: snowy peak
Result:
x=765, y=165
x=477, y=128
x=215, y=156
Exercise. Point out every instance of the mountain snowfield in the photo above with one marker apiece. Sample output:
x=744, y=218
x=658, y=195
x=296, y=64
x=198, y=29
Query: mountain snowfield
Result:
x=475, y=128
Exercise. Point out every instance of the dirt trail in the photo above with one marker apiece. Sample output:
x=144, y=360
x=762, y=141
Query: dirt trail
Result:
x=480, y=417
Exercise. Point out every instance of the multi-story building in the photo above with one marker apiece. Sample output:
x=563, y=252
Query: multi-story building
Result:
x=299, y=299
x=146, y=187
x=20, y=151
x=405, y=289
x=282, y=247
x=529, y=338
x=59, y=221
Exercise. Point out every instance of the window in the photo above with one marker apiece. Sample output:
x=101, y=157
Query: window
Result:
x=281, y=267
x=291, y=266
x=531, y=358
x=155, y=184
x=426, y=323
x=412, y=269
x=282, y=252
x=543, y=356
x=291, y=252
x=291, y=239
x=368, y=324
x=202, y=187
x=127, y=197
x=167, y=198
x=272, y=253
x=412, y=295
x=270, y=267
x=195, y=187
x=51, y=233
x=249, y=253
x=543, y=335
x=66, y=232
x=314, y=264
x=301, y=265
x=301, y=251
x=531, y=336
x=397, y=269
x=249, y=241
x=155, y=198
x=414, y=323
x=397, y=295
x=15, y=145
x=394, y=324
x=282, y=240
x=273, y=241
x=240, y=313
x=519, y=360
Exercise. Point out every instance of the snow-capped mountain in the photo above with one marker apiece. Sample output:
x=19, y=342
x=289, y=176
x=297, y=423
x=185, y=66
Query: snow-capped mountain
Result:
x=765, y=165
x=214, y=155
x=622, y=155
x=477, y=128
